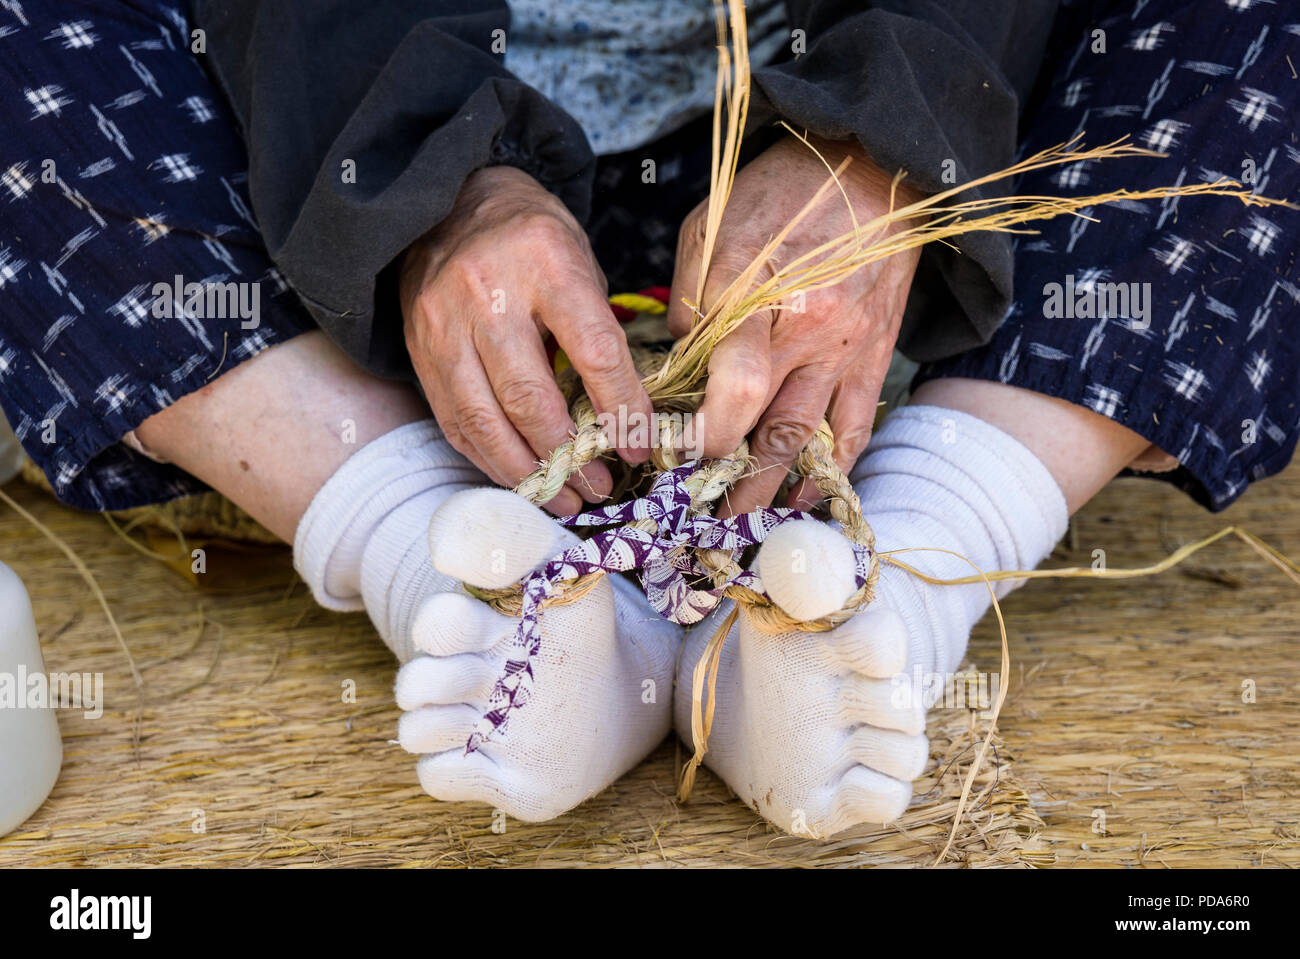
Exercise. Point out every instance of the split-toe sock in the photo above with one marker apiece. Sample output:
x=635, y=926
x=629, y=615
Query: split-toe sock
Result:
x=821, y=731
x=396, y=531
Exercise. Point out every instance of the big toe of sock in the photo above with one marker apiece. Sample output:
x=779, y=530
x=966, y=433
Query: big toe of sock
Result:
x=807, y=568
x=492, y=538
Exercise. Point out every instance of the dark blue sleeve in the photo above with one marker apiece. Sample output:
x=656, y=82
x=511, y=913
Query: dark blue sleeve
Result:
x=408, y=94
x=925, y=86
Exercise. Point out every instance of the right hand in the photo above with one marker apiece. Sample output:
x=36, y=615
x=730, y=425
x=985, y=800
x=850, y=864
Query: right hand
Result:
x=479, y=292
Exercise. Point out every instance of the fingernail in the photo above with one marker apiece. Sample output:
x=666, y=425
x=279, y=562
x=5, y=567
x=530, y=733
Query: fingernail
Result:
x=633, y=456
x=565, y=503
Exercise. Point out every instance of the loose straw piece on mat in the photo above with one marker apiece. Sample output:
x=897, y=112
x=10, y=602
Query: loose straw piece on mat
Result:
x=1280, y=561
x=86, y=575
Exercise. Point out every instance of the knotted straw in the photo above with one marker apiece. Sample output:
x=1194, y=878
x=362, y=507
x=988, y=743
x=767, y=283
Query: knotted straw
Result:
x=673, y=379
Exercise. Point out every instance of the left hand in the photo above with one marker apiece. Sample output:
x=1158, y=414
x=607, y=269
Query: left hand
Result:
x=780, y=372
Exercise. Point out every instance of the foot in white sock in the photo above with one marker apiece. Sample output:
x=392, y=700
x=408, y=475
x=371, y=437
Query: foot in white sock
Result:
x=819, y=732
x=398, y=528
x=601, y=690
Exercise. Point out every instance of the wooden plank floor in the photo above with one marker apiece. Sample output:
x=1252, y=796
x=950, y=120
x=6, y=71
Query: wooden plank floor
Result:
x=1125, y=734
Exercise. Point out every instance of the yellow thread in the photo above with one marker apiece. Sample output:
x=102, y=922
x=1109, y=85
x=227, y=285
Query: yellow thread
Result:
x=638, y=303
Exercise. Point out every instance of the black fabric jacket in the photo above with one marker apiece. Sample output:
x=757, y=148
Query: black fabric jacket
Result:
x=411, y=92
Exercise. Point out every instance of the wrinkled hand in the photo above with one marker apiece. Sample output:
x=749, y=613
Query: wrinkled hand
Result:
x=478, y=295
x=778, y=374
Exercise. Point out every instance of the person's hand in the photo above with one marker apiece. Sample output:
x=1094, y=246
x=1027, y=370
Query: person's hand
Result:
x=478, y=295
x=777, y=375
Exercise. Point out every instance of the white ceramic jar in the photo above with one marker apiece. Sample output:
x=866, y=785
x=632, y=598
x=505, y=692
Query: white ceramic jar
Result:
x=31, y=750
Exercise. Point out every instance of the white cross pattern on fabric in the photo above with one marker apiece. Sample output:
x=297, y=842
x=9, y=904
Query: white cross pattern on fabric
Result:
x=131, y=308
x=46, y=100
x=1256, y=108
x=113, y=394
x=1178, y=253
x=1257, y=369
x=1074, y=93
x=1103, y=400
x=1087, y=280
x=200, y=110
x=16, y=181
x=9, y=267
x=1260, y=236
x=67, y=473
x=177, y=167
x=252, y=345
x=1185, y=380
x=1164, y=134
x=74, y=35
x=153, y=226
x=188, y=367
x=1074, y=175
x=1150, y=38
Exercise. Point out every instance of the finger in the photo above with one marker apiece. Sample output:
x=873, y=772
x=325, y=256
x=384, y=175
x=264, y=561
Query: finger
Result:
x=784, y=430
x=739, y=385
x=585, y=327
x=853, y=406
x=442, y=412
x=435, y=392
x=514, y=358
x=852, y=414
x=483, y=423
x=452, y=432
x=686, y=275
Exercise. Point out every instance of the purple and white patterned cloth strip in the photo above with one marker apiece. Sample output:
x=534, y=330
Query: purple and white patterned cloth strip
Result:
x=666, y=563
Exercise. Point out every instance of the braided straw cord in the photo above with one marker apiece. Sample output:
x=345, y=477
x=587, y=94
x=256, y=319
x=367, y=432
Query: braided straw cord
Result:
x=816, y=462
x=706, y=485
x=589, y=442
